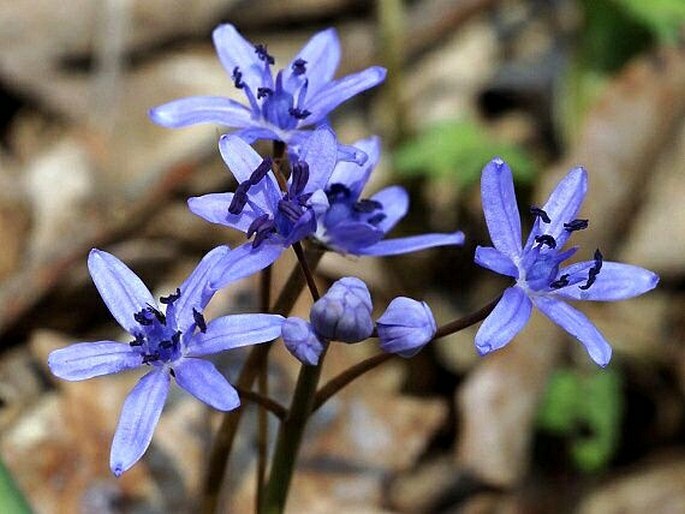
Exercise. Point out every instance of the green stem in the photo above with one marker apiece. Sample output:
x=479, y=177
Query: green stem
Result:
x=293, y=427
x=223, y=442
x=289, y=440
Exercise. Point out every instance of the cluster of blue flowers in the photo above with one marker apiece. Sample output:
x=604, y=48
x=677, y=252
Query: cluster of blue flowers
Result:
x=321, y=201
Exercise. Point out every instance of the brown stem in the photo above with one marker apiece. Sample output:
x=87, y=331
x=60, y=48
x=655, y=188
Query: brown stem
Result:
x=265, y=402
x=306, y=270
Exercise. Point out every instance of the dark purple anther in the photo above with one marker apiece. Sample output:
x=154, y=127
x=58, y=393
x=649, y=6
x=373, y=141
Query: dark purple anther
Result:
x=562, y=281
x=546, y=239
x=157, y=314
x=150, y=357
x=289, y=210
x=537, y=211
x=258, y=225
x=298, y=114
x=261, y=171
x=594, y=271
x=367, y=206
x=263, y=92
x=299, y=67
x=577, y=224
x=239, y=198
x=168, y=300
x=143, y=317
x=263, y=55
x=376, y=218
x=138, y=341
x=199, y=320
x=165, y=345
x=336, y=191
x=237, y=77
x=300, y=177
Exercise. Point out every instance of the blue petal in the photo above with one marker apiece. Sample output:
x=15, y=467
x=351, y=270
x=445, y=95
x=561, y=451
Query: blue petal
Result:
x=320, y=151
x=201, y=109
x=234, y=50
x=402, y=245
x=353, y=175
x=350, y=237
x=86, y=360
x=562, y=207
x=195, y=290
x=138, y=420
x=234, y=331
x=242, y=160
x=213, y=207
x=252, y=134
x=244, y=261
x=239, y=156
x=492, y=259
x=395, y=201
x=121, y=289
x=322, y=54
x=507, y=319
x=201, y=379
x=576, y=324
x=339, y=91
x=616, y=281
x=500, y=208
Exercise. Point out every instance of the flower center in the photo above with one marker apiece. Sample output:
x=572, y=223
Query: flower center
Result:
x=158, y=339
x=277, y=103
x=345, y=208
x=292, y=218
x=540, y=265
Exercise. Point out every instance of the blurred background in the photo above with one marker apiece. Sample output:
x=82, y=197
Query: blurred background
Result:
x=534, y=428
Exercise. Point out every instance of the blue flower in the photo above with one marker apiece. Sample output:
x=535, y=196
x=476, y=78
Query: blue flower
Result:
x=344, y=312
x=167, y=343
x=405, y=327
x=536, y=266
x=347, y=223
x=274, y=218
x=302, y=341
x=283, y=108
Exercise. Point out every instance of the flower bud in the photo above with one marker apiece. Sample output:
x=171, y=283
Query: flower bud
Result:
x=301, y=340
x=344, y=312
x=405, y=327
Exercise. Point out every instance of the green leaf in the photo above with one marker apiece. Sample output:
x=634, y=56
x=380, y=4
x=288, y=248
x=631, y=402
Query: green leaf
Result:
x=12, y=501
x=665, y=18
x=602, y=412
x=458, y=150
x=587, y=409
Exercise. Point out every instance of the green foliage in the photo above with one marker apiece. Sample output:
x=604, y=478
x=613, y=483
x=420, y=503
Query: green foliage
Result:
x=587, y=409
x=12, y=501
x=664, y=18
x=458, y=150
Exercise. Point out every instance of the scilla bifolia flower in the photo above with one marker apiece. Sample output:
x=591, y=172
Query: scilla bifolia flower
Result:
x=344, y=312
x=536, y=266
x=347, y=223
x=273, y=218
x=302, y=341
x=167, y=343
x=283, y=108
x=405, y=327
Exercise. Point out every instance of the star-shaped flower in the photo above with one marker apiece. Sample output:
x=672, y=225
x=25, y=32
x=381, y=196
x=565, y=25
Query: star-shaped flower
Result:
x=284, y=108
x=168, y=343
x=349, y=224
x=259, y=207
x=536, y=266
